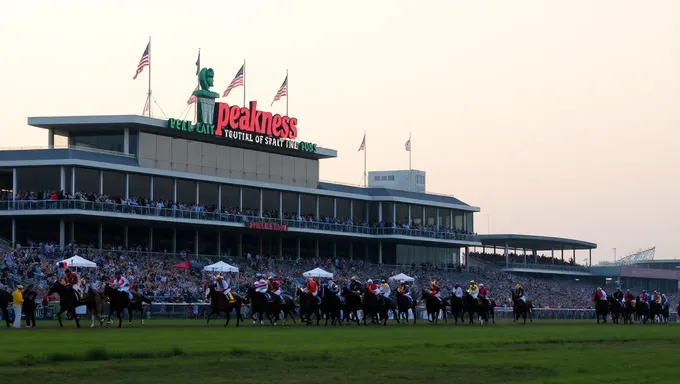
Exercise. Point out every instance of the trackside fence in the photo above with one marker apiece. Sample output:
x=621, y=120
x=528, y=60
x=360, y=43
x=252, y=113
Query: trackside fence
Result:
x=200, y=310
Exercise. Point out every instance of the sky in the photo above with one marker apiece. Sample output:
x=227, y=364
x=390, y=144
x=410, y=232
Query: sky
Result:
x=556, y=118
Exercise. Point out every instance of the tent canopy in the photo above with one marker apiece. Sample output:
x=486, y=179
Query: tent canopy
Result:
x=401, y=276
x=220, y=266
x=183, y=265
x=317, y=272
x=77, y=262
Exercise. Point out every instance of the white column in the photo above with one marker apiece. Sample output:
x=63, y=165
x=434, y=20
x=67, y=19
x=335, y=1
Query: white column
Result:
x=451, y=219
x=240, y=199
x=126, y=141
x=409, y=215
x=100, y=236
x=62, y=178
x=219, y=197
x=198, y=192
x=317, y=212
x=298, y=249
x=380, y=252
x=127, y=186
x=101, y=182
x=299, y=195
x=351, y=210
x=62, y=233
x=174, y=190
x=380, y=211
x=73, y=179
x=50, y=138
x=335, y=209
x=437, y=218
x=15, y=185
x=394, y=212
x=14, y=232
x=280, y=207
x=151, y=188
x=261, y=203
x=196, y=243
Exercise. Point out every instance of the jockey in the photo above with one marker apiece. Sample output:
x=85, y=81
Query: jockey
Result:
x=644, y=296
x=122, y=284
x=354, y=285
x=435, y=291
x=71, y=281
x=458, y=291
x=473, y=290
x=372, y=287
x=385, y=290
x=657, y=299
x=618, y=295
x=519, y=293
x=223, y=286
x=628, y=297
x=664, y=300
x=484, y=294
x=274, y=286
x=313, y=288
x=260, y=284
x=332, y=287
x=404, y=289
x=601, y=294
x=653, y=297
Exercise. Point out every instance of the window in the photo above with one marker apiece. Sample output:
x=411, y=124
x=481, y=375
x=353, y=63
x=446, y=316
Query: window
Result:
x=390, y=177
x=376, y=178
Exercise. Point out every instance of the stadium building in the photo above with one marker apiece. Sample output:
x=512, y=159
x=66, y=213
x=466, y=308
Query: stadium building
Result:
x=242, y=180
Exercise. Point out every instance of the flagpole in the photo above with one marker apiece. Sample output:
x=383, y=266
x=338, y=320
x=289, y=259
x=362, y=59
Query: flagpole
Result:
x=244, y=82
x=148, y=96
x=410, y=149
x=287, y=92
x=365, y=150
x=198, y=82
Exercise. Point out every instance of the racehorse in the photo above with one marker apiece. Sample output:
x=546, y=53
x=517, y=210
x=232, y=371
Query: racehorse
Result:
x=474, y=307
x=351, y=306
x=404, y=303
x=220, y=304
x=432, y=306
x=376, y=307
x=656, y=312
x=483, y=310
x=641, y=310
x=5, y=299
x=309, y=305
x=330, y=306
x=616, y=309
x=68, y=302
x=271, y=305
x=457, y=308
x=629, y=312
x=666, y=313
x=93, y=302
x=521, y=308
x=119, y=301
x=601, y=308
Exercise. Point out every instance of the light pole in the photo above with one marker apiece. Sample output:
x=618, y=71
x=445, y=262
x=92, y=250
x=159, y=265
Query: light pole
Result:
x=614, y=249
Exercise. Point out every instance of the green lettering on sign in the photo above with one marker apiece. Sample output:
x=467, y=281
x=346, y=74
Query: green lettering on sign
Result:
x=307, y=147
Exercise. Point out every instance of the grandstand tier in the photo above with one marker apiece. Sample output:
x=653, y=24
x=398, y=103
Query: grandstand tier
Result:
x=142, y=181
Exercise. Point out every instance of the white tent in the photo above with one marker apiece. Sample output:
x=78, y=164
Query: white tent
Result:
x=401, y=276
x=317, y=272
x=220, y=266
x=78, y=262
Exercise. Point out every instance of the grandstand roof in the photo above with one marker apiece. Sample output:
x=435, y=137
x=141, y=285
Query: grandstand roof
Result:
x=539, y=243
x=385, y=192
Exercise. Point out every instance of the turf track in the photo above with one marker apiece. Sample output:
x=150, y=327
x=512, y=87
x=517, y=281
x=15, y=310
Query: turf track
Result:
x=179, y=351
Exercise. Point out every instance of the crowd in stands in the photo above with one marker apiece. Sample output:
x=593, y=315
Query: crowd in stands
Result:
x=499, y=259
x=153, y=275
x=141, y=205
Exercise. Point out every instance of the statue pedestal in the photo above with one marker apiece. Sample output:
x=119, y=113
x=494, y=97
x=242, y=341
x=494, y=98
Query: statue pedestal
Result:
x=206, y=110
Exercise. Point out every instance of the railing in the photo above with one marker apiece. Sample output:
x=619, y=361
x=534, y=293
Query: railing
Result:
x=198, y=310
x=132, y=210
x=74, y=147
x=574, y=268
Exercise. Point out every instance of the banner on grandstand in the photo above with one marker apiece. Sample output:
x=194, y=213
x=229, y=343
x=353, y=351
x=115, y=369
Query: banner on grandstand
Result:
x=268, y=226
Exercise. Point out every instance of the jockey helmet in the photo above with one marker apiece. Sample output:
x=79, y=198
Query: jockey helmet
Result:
x=258, y=275
x=517, y=286
x=369, y=281
x=270, y=277
x=402, y=282
x=218, y=277
x=384, y=281
x=481, y=285
x=353, y=278
x=472, y=282
x=433, y=282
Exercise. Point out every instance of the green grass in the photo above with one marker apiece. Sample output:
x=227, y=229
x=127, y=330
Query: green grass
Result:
x=181, y=351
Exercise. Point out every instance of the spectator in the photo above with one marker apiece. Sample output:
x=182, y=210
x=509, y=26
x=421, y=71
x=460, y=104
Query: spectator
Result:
x=17, y=301
x=29, y=306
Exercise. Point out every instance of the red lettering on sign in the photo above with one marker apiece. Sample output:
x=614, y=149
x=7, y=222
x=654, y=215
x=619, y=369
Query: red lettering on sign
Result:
x=252, y=120
x=268, y=226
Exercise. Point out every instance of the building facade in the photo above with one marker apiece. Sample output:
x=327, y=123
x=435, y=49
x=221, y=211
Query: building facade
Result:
x=404, y=180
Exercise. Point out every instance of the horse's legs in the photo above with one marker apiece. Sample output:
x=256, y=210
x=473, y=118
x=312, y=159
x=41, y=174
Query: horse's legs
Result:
x=120, y=318
x=228, y=318
x=61, y=325
x=75, y=317
x=207, y=320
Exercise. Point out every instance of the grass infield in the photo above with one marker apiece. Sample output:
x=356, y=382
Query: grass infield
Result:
x=182, y=351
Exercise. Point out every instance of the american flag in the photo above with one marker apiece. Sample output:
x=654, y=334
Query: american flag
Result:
x=283, y=91
x=144, y=61
x=408, y=145
x=362, y=147
x=192, y=99
x=237, y=82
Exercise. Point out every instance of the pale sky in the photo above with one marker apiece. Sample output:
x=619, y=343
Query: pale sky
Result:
x=557, y=118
